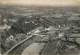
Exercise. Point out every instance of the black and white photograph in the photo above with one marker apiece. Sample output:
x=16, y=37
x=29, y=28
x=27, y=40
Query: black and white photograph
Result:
x=39, y=27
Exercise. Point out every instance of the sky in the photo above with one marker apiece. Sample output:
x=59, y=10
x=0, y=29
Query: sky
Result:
x=42, y=2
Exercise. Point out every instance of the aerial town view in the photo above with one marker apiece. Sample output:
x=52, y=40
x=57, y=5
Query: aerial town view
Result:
x=39, y=30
